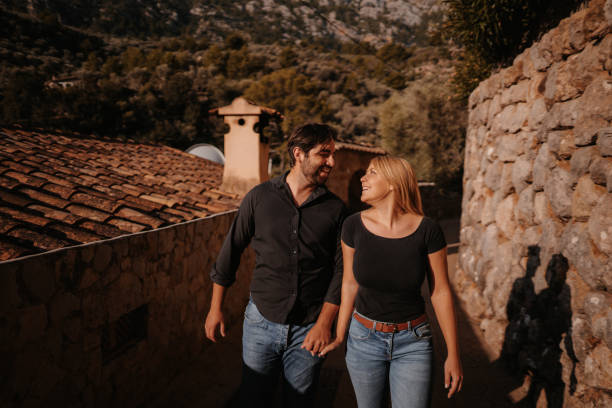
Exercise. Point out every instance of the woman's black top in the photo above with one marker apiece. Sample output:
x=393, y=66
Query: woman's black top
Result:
x=390, y=271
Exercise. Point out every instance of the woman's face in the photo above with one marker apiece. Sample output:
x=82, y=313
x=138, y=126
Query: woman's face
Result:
x=374, y=187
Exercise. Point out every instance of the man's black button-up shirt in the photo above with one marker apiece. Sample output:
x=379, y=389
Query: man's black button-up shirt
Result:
x=298, y=257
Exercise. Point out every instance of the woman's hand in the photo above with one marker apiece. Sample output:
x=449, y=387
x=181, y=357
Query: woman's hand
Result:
x=331, y=346
x=453, y=375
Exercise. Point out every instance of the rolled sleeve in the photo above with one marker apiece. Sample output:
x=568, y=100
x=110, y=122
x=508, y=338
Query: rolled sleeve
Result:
x=224, y=269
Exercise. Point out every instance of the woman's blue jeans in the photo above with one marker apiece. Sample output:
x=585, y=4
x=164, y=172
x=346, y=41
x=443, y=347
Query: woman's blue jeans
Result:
x=269, y=349
x=404, y=358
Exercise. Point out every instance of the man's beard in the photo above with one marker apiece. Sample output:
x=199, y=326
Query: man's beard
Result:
x=316, y=176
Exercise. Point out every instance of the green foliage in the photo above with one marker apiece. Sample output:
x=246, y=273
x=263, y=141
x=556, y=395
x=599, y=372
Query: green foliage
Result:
x=493, y=32
x=426, y=126
x=290, y=92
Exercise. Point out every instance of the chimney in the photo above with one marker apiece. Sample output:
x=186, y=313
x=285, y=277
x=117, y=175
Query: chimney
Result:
x=245, y=148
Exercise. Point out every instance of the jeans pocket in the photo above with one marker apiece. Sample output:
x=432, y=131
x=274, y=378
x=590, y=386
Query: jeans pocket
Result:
x=423, y=331
x=357, y=331
x=252, y=315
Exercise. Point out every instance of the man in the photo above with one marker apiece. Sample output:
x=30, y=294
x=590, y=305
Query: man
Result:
x=293, y=224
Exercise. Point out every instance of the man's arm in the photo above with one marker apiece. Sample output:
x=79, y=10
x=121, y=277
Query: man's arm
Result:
x=223, y=272
x=215, y=316
x=320, y=334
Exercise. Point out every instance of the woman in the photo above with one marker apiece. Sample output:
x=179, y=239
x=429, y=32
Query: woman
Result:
x=388, y=249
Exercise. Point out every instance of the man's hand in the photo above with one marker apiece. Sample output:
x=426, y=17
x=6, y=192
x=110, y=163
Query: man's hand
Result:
x=214, y=320
x=317, y=338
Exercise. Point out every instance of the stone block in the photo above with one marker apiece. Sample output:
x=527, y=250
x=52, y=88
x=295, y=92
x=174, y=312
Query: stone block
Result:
x=493, y=174
x=38, y=278
x=94, y=310
x=102, y=258
x=166, y=240
x=586, y=195
x=582, y=159
x=578, y=249
x=32, y=323
x=563, y=115
x=541, y=208
x=604, y=141
x=89, y=278
x=524, y=210
x=516, y=93
x=505, y=185
x=595, y=24
x=494, y=109
x=601, y=171
x=504, y=215
x=487, y=211
x=608, y=12
x=600, y=225
x=582, y=337
x=494, y=331
x=559, y=192
x=596, y=302
x=541, y=53
x=490, y=86
x=522, y=173
x=509, y=147
x=537, y=113
x=595, y=111
x=511, y=75
x=9, y=296
x=597, y=365
x=561, y=143
x=576, y=34
x=512, y=118
x=62, y=305
x=542, y=166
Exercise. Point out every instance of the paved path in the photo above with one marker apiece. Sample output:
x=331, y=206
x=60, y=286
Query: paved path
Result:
x=213, y=383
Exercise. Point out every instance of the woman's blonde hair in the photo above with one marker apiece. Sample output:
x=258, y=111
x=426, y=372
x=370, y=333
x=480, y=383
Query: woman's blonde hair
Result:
x=400, y=175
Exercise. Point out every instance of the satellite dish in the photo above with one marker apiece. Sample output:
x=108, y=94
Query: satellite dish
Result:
x=208, y=152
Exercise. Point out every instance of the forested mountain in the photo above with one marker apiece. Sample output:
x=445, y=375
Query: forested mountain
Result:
x=152, y=71
x=264, y=21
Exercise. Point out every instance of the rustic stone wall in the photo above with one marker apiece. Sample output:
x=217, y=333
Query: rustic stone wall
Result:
x=110, y=323
x=536, y=227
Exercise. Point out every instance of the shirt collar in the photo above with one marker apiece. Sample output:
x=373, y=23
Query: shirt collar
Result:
x=281, y=182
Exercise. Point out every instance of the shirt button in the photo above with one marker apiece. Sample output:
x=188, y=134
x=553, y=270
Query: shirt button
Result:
x=294, y=231
x=294, y=251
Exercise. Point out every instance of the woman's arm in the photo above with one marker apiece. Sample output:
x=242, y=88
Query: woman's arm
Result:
x=442, y=302
x=347, y=302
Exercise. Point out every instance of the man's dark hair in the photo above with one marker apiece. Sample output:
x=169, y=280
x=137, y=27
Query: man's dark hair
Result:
x=308, y=136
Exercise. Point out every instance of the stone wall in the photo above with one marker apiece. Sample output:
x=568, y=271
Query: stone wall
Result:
x=536, y=227
x=110, y=323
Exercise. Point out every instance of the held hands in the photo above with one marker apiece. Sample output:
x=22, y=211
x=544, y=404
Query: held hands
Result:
x=453, y=375
x=214, y=320
x=331, y=346
x=317, y=338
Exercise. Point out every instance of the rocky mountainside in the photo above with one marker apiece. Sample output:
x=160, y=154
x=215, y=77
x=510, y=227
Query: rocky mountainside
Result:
x=265, y=21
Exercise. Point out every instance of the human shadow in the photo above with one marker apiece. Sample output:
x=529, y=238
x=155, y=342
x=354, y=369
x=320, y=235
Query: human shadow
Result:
x=536, y=324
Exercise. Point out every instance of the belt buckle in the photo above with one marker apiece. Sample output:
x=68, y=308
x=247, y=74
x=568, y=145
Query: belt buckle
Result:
x=392, y=326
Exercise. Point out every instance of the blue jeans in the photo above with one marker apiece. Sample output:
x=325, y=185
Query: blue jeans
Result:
x=269, y=349
x=404, y=358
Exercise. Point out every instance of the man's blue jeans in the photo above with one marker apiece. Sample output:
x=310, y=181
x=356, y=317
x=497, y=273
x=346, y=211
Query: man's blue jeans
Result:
x=405, y=358
x=269, y=349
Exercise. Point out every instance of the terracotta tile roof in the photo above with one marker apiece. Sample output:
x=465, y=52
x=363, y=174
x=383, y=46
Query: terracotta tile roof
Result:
x=58, y=190
x=360, y=147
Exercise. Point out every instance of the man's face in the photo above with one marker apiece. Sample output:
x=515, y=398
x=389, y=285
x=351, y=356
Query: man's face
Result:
x=318, y=163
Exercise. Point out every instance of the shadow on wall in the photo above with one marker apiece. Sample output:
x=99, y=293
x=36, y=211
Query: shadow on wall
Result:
x=536, y=326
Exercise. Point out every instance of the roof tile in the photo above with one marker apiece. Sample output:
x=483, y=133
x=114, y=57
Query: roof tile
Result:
x=17, y=166
x=94, y=201
x=75, y=234
x=26, y=216
x=139, y=217
x=87, y=212
x=55, y=179
x=25, y=179
x=11, y=251
x=126, y=225
x=156, y=198
x=62, y=191
x=37, y=239
x=8, y=182
x=6, y=224
x=104, y=230
x=141, y=204
x=45, y=198
x=56, y=214
x=16, y=198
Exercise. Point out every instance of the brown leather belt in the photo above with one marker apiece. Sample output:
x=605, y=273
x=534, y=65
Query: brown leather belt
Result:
x=389, y=327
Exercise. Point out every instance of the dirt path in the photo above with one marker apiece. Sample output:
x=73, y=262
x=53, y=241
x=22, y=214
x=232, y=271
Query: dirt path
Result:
x=214, y=383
